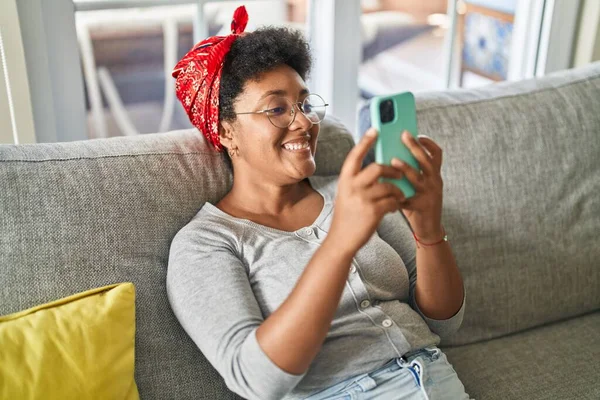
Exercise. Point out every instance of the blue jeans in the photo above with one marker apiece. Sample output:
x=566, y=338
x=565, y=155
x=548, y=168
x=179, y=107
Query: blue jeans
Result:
x=423, y=374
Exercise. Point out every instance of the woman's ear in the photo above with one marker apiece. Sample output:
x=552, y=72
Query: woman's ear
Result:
x=226, y=134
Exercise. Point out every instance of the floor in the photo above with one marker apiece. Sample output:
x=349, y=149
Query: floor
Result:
x=415, y=65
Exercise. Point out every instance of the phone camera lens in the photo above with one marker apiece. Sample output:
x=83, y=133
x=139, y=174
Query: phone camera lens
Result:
x=386, y=110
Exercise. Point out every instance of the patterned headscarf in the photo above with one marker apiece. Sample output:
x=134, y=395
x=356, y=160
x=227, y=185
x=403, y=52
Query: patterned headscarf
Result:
x=198, y=76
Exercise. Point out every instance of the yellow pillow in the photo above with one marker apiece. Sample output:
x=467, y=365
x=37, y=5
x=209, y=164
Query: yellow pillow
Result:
x=79, y=347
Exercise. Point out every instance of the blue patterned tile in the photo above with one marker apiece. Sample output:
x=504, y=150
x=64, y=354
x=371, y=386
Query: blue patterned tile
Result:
x=487, y=44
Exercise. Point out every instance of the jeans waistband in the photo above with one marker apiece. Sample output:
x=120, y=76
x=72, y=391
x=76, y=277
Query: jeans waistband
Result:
x=431, y=350
x=366, y=379
x=397, y=363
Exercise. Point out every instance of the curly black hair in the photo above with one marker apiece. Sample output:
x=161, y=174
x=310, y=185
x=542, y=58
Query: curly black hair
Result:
x=258, y=52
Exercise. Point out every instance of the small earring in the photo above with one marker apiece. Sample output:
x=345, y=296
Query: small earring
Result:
x=233, y=152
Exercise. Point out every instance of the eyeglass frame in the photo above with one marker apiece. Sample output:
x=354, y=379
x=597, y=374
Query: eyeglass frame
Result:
x=293, y=111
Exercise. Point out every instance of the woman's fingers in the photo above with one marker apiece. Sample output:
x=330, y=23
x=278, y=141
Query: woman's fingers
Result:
x=419, y=152
x=383, y=190
x=353, y=162
x=374, y=171
x=414, y=177
x=387, y=205
x=434, y=150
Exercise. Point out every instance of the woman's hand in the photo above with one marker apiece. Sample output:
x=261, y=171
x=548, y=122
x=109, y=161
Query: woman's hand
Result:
x=424, y=209
x=362, y=200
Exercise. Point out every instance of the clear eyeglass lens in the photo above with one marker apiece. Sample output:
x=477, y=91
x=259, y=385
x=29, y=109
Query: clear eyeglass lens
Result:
x=281, y=112
x=314, y=108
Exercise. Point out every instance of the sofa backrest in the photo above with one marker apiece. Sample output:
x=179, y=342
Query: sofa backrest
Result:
x=521, y=176
x=80, y=215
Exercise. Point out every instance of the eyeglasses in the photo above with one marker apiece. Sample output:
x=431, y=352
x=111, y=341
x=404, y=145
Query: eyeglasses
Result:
x=281, y=111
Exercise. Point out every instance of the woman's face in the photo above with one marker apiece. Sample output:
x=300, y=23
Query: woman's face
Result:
x=264, y=149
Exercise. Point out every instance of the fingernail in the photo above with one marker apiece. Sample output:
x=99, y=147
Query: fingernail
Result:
x=397, y=162
x=406, y=135
x=371, y=132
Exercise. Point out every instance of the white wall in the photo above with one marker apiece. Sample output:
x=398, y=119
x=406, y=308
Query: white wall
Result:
x=588, y=38
x=53, y=69
x=336, y=45
x=596, y=55
x=17, y=87
x=6, y=130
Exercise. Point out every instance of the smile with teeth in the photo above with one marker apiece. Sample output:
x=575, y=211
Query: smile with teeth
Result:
x=296, y=146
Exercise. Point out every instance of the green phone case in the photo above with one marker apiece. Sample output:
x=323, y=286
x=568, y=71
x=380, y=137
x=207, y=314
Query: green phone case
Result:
x=389, y=143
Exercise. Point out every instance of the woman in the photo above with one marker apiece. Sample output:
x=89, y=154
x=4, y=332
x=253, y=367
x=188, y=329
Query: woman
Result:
x=297, y=286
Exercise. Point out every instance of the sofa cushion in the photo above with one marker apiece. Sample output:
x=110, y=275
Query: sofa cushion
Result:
x=80, y=215
x=557, y=361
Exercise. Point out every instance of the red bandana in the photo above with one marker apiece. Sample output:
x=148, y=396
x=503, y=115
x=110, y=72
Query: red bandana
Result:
x=198, y=76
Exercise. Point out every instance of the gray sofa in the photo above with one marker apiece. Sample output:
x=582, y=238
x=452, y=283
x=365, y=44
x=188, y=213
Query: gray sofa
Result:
x=522, y=209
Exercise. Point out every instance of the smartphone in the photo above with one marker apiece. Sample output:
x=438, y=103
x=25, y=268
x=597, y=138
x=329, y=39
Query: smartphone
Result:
x=391, y=115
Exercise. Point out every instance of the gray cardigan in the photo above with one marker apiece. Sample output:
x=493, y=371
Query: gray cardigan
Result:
x=226, y=275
